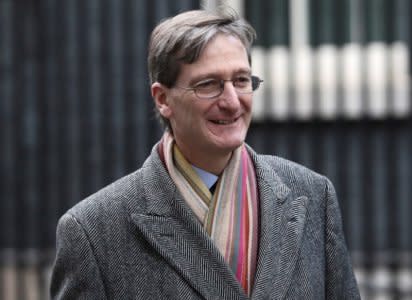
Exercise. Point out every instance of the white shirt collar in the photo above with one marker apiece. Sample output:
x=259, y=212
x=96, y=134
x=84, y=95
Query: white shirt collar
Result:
x=208, y=179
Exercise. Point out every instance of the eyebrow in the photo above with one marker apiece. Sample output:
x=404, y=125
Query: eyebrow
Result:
x=201, y=77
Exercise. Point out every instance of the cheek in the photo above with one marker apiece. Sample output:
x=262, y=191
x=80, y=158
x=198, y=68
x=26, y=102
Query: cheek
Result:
x=183, y=117
x=189, y=113
x=247, y=103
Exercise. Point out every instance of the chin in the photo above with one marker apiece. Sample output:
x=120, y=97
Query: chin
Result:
x=227, y=142
x=227, y=146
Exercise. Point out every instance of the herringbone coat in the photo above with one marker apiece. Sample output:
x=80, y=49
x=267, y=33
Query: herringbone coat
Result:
x=137, y=239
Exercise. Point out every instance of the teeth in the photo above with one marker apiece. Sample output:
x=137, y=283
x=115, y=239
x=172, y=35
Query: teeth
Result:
x=222, y=122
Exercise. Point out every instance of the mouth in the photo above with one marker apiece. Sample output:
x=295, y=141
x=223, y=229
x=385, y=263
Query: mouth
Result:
x=224, y=122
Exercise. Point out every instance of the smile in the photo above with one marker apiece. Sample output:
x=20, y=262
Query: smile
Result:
x=225, y=122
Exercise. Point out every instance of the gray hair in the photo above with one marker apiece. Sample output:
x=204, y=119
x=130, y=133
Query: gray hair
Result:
x=182, y=38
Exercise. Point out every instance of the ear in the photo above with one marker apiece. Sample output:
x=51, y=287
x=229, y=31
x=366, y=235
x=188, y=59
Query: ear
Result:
x=160, y=94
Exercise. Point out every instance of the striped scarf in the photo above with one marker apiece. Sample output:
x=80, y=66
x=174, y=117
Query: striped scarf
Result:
x=230, y=215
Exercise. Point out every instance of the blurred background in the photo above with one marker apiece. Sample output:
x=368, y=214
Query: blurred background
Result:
x=76, y=114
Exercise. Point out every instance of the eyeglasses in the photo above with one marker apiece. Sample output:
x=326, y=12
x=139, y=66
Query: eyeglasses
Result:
x=212, y=88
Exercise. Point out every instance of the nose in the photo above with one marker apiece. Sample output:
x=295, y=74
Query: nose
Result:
x=229, y=98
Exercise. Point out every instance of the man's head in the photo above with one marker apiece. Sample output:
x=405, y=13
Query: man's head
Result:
x=202, y=84
x=181, y=39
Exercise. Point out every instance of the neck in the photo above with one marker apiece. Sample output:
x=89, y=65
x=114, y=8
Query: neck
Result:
x=211, y=162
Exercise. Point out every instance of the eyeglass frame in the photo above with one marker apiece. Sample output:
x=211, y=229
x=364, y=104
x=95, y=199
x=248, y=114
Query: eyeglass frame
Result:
x=256, y=81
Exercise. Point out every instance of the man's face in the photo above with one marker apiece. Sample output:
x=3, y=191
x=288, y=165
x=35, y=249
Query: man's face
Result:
x=210, y=126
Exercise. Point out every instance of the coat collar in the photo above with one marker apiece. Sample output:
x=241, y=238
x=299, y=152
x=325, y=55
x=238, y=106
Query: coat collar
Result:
x=174, y=232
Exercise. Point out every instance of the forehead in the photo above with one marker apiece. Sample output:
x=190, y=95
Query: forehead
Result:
x=224, y=55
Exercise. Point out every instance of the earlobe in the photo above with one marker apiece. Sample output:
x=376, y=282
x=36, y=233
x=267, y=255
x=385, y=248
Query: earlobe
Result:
x=160, y=97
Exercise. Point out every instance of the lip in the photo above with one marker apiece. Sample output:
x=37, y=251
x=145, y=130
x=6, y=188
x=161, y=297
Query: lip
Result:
x=224, y=121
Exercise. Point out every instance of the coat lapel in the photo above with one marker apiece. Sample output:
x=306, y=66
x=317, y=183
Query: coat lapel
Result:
x=293, y=221
x=174, y=232
x=282, y=222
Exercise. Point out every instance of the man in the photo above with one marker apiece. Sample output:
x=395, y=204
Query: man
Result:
x=205, y=217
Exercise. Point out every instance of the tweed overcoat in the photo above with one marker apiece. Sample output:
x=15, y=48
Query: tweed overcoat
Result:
x=137, y=239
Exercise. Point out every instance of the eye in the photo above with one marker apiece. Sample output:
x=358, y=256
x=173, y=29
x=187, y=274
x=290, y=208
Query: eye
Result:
x=242, y=81
x=207, y=84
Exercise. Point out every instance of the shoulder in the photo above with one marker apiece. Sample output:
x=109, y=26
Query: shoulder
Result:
x=123, y=193
x=110, y=201
x=284, y=167
x=295, y=176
